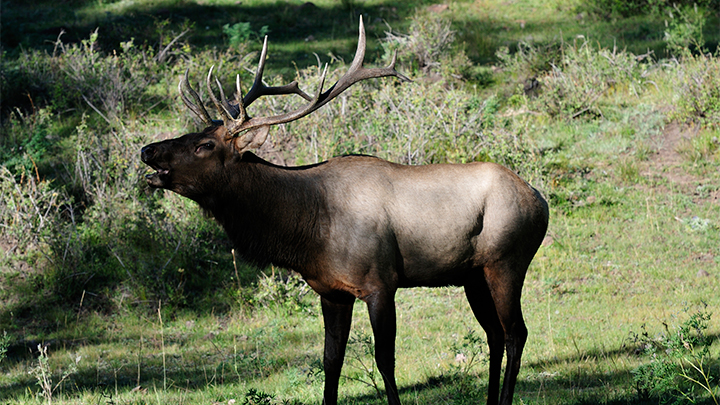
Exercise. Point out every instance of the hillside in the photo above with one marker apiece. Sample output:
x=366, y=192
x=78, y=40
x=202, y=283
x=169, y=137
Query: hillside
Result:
x=113, y=292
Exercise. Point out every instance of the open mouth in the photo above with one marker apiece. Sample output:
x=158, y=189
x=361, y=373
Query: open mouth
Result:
x=158, y=172
x=158, y=177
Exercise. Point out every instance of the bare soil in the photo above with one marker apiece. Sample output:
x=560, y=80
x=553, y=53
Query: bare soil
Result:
x=668, y=164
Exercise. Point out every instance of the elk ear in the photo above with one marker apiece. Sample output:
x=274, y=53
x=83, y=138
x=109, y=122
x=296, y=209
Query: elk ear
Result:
x=252, y=139
x=259, y=136
x=218, y=131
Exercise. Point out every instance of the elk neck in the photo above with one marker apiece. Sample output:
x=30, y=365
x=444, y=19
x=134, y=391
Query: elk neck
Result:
x=272, y=214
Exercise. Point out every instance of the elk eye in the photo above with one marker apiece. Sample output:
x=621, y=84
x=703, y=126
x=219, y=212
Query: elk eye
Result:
x=205, y=146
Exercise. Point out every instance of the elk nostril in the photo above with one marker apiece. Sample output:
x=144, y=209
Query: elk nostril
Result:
x=147, y=153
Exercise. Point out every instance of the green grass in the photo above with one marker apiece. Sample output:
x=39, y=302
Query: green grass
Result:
x=135, y=296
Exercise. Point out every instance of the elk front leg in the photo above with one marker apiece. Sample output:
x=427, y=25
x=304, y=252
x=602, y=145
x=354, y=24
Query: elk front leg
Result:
x=381, y=307
x=338, y=318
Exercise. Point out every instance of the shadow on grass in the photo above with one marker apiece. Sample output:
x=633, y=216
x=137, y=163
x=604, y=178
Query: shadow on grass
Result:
x=298, y=25
x=297, y=29
x=608, y=389
x=198, y=368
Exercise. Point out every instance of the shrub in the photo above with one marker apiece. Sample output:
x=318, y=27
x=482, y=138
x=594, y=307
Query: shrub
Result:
x=240, y=33
x=283, y=290
x=255, y=397
x=685, y=29
x=468, y=352
x=576, y=82
x=78, y=76
x=415, y=123
x=697, y=99
x=97, y=226
x=126, y=235
x=679, y=367
x=529, y=59
x=29, y=211
x=429, y=48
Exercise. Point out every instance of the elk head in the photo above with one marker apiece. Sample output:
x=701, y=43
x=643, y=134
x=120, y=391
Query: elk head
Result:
x=191, y=162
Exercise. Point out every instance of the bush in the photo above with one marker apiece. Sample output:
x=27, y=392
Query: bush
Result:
x=428, y=49
x=283, y=290
x=680, y=365
x=95, y=224
x=529, y=60
x=685, y=29
x=578, y=79
x=413, y=123
x=698, y=97
x=122, y=237
x=78, y=76
x=240, y=33
x=29, y=211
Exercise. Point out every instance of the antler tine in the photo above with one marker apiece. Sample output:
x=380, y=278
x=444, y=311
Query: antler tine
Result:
x=236, y=120
x=257, y=122
x=230, y=109
x=259, y=89
x=197, y=107
x=355, y=74
x=239, y=99
x=255, y=91
x=222, y=106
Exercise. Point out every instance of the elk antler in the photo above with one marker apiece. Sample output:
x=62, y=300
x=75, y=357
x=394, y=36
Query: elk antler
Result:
x=197, y=106
x=235, y=117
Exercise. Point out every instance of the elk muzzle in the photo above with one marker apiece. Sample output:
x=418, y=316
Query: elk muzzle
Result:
x=160, y=177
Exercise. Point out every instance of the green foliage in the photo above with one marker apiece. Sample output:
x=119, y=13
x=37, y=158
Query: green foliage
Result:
x=469, y=352
x=121, y=224
x=240, y=33
x=4, y=344
x=88, y=250
x=680, y=364
x=360, y=358
x=96, y=227
x=697, y=81
x=585, y=73
x=283, y=290
x=529, y=59
x=685, y=29
x=414, y=124
x=78, y=75
x=30, y=141
x=44, y=374
x=255, y=397
x=30, y=209
x=684, y=20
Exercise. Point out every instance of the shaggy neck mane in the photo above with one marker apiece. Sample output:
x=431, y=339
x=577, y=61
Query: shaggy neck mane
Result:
x=272, y=214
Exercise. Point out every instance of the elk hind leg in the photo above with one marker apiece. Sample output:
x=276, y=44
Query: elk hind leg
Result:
x=483, y=307
x=505, y=280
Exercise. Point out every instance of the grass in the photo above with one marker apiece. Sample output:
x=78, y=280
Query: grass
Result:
x=112, y=293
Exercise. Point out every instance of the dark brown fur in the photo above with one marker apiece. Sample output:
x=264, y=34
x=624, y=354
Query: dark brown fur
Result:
x=358, y=227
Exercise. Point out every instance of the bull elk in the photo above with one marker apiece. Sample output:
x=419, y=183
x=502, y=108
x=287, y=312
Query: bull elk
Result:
x=359, y=227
